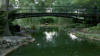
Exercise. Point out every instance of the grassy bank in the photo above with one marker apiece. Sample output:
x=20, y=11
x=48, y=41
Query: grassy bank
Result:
x=88, y=35
x=94, y=29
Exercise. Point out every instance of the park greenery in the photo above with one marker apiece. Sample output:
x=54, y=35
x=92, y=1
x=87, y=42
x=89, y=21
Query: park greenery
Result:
x=69, y=33
x=2, y=22
x=41, y=6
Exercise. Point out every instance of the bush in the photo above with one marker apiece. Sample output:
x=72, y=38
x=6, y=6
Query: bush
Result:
x=94, y=29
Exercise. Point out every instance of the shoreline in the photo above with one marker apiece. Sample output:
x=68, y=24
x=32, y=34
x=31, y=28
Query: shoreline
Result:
x=82, y=34
x=7, y=51
x=21, y=40
x=88, y=35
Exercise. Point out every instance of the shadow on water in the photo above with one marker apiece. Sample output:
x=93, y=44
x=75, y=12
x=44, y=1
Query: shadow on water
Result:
x=60, y=44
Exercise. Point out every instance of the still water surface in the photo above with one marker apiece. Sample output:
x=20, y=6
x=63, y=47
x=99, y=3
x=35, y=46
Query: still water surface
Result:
x=51, y=42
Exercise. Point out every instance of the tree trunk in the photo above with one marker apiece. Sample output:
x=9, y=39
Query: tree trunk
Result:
x=7, y=30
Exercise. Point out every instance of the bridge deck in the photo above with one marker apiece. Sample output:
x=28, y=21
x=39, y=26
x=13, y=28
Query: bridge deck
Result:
x=71, y=15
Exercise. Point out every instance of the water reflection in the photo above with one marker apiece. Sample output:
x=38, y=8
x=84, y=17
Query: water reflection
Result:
x=50, y=35
x=72, y=36
x=46, y=37
x=51, y=42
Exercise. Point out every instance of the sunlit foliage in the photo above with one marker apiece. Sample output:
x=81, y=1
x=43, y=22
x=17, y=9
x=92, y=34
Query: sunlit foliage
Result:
x=41, y=5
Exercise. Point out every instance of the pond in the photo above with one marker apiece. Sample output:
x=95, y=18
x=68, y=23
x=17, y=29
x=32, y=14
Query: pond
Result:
x=50, y=41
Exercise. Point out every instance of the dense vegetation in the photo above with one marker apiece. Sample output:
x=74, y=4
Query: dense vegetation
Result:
x=2, y=22
x=69, y=4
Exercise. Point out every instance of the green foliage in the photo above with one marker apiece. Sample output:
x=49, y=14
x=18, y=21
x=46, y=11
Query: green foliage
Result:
x=27, y=22
x=94, y=29
x=49, y=19
x=2, y=22
x=76, y=3
x=42, y=5
x=35, y=21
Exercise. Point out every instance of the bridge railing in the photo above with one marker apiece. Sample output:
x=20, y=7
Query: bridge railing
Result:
x=57, y=9
x=43, y=10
